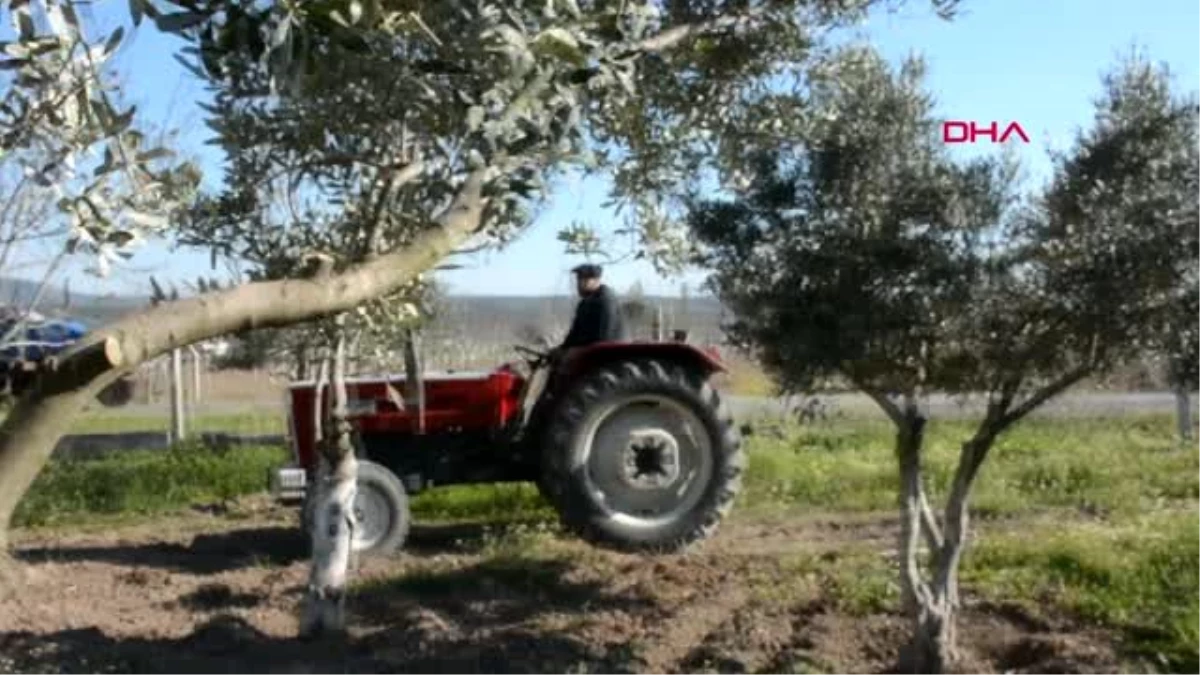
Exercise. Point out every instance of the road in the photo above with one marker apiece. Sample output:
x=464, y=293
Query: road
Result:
x=940, y=406
x=746, y=407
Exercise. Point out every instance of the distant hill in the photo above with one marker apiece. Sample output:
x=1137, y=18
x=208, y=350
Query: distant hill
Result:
x=92, y=309
x=503, y=317
x=482, y=318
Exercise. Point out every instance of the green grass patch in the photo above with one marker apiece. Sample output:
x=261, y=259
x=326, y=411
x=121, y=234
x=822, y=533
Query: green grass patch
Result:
x=144, y=482
x=1119, y=466
x=114, y=422
x=1140, y=577
x=510, y=502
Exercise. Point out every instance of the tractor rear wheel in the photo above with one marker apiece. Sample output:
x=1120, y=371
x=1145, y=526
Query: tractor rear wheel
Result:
x=642, y=457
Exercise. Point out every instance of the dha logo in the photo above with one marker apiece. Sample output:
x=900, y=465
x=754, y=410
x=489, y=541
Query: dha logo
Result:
x=969, y=132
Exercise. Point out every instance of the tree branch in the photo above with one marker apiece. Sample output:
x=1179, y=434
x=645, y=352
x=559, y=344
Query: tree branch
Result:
x=891, y=409
x=672, y=37
x=31, y=430
x=1045, y=394
x=396, y=180
x=929, y=524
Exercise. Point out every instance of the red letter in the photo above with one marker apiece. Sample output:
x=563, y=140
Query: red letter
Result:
x=1017, y=128
x=989, y=131
x=946, y=135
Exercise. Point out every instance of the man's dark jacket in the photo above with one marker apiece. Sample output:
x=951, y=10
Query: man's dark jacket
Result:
x=597, y=319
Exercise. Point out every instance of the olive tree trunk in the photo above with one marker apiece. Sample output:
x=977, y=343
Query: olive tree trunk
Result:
x=931, y=599
x=332, y=523
x=37, y=422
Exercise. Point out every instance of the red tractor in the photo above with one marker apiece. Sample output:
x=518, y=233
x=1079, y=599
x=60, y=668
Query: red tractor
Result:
x=628, y=441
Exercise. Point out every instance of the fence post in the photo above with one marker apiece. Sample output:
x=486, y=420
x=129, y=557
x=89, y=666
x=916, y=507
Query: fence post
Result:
x=177, y=415
x=197, y=370
x=658, y=323
x=148, y=371
x=1183, y=412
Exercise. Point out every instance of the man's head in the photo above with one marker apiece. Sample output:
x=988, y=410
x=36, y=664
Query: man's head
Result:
x=587, y=278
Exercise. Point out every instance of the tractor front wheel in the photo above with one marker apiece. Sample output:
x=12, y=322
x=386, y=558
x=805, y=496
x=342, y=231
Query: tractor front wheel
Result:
x=642, y=457
x=380, y=509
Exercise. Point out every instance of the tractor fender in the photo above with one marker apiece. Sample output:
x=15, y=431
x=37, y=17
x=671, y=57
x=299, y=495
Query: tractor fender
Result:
x=703, y=362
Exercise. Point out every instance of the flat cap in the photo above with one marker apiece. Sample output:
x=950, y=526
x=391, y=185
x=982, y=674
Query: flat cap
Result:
x=587, y=271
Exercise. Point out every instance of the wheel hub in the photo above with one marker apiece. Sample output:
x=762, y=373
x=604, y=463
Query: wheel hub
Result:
x=646, y=460
x=651, y=459
x=371, y=515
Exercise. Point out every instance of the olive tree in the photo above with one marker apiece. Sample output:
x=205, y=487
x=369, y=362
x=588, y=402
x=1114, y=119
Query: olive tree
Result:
x=861, y=249
x=443, y=118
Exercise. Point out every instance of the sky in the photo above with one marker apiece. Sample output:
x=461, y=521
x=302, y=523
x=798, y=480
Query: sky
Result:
x=1035, y=62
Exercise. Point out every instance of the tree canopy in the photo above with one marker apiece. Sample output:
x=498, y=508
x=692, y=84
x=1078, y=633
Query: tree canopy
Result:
x=863, y=249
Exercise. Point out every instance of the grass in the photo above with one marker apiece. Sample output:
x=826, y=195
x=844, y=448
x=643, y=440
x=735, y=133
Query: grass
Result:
x=144, y=483
x=1108, y=528
x=1113, y=466
x=746, y=378
x=1138, y=575
x=108, y=422
x=515, y=502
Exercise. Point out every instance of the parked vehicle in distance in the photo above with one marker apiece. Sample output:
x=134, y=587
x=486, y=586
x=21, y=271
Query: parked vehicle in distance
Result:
x=25, y=354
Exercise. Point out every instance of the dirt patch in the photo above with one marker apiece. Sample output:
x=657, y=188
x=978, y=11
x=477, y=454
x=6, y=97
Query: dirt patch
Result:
x=225, y=599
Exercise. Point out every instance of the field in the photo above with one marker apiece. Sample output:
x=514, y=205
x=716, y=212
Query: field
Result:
x=1085, y=560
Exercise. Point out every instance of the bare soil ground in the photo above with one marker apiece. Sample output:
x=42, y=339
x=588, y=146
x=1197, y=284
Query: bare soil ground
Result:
x=218, y=593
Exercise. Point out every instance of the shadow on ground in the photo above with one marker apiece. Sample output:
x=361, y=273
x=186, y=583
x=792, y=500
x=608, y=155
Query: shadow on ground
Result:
x=270, y=546
x=228, y=644
x=206, y=554
x=485, y=617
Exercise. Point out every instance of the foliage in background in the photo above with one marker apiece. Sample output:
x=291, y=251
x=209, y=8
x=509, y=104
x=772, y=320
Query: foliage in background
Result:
x=861, y=249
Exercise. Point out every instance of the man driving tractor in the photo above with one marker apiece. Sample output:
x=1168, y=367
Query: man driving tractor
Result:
x=598, y=315
x=597, y=319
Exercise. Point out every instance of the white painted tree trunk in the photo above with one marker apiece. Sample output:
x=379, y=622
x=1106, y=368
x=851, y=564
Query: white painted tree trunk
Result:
x=332, y=525
x=178, y=424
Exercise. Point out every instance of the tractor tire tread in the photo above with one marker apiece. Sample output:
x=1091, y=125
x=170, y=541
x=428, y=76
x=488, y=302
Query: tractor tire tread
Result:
x=576, y=512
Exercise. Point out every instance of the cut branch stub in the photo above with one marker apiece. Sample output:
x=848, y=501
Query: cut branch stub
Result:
x=89, y=363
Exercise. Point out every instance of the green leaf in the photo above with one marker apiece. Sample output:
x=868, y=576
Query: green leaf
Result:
x=191, y=67
x=475, y=115
x=24, y=22
x=157, y=153
x=561, y=44
x=151, y=221
x=68, y=11
x=135, y=9
x=339, y=18
x=511, y=36
x=114, y=40
x=123, y=120
x=15, y=49
x=107, y=165
x=177, y=22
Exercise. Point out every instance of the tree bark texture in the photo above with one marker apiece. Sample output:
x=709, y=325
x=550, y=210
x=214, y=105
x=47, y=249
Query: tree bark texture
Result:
x=934, y=647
